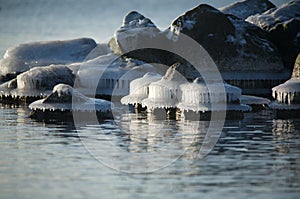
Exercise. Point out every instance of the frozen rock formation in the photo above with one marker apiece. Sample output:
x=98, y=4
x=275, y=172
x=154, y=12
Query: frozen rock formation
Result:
x=287, y=95
x=283, y=26
x=110, y=75
x=165, y=93
x=245, y=8
x=21, y=58
x=135, y=29
x=139, y=89
x=197, y=97
x=37, y=82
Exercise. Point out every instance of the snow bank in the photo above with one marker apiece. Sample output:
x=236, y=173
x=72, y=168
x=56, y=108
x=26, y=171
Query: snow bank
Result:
x=254, y=100
x=65, y=98
x=25, y=56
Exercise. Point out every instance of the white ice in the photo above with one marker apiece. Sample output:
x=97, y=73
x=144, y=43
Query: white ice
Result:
x=75, y=101
x=139, y=88
x=25, y=56
x=245, y=8
x=285, y=93
x=276, y=15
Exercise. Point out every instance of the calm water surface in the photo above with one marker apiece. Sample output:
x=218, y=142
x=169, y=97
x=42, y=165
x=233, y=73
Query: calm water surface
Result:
x=257, y=157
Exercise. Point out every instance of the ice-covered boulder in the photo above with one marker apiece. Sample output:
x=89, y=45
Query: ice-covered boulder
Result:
x=234, y=45
x=37, y=82
x=139, y=89
x=287, y=95
x=135, y=29
x=246, y=8
x=197, y=97
x=110, y=75
x=165, y=93
x=283, y=26
x=21, y=58
x=64, y=100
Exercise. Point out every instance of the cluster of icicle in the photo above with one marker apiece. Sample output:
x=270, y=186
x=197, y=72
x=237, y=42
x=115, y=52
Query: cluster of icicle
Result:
x=173, y=90
x=285, y=93
x=65, y=98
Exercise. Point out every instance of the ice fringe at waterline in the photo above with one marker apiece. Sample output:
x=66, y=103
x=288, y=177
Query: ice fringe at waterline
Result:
x=65, y=98
x=287, y=95
x=110, y=75
x=25, y=56
x=196, y=97
x=139, y=89
x=37, y=82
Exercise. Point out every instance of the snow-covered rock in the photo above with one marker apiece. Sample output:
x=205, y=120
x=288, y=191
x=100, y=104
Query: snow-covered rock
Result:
x=246, y=8
x=283, y=26
x=135, y=29
x=139, y=89
x=25, y=56
x=37, y=82
x=65, y=99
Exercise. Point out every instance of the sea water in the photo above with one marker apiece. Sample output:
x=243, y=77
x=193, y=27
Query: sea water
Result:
x=255, y=157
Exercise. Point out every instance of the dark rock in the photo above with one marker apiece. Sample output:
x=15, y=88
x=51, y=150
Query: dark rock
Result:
x=246, y=8
x=283, y=26
x=234, y=45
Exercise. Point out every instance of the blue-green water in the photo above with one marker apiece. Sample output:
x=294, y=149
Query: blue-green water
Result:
x=257, y=157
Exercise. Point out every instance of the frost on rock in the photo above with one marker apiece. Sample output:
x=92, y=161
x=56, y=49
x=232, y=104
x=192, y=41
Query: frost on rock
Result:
x=110, y=75
x=139, y=88
x=246, y=8
x=273, y=16
x=38, y=81
x=65, y=98
x=25, y=56
x=199, y=97
x=165, y=93
x=135, y=29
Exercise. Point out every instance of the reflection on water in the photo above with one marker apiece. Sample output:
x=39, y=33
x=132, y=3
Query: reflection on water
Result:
x=257, y=157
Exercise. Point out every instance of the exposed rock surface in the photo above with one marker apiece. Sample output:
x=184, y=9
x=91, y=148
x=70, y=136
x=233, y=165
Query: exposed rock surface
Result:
x=246, y=8
x=232, y=43
x=283, y=26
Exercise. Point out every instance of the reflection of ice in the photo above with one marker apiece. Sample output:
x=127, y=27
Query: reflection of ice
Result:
x=282, y=133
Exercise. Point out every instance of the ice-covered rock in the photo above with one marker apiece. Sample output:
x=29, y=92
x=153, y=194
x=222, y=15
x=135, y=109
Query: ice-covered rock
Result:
x=135, y=29
x=139, y=89
x=283, y=26
x=198, y=97
x=110, y=75
x=25, y=56
x=287, y=95
x=165, y=93
x=246, y=8
x=37, y=82
x=234, y=45
x=65, y=99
